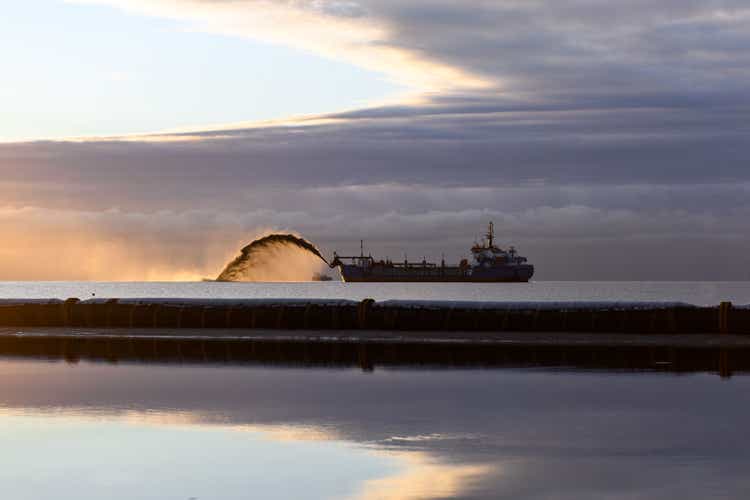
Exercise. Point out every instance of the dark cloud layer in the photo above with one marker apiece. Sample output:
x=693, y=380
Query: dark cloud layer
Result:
x=606, y=130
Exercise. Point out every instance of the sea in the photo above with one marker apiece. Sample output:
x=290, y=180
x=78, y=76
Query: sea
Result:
x=90, y=430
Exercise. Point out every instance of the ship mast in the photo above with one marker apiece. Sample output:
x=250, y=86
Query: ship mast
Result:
x=490, y=234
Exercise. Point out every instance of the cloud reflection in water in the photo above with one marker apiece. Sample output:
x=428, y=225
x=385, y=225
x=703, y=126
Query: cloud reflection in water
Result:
x=418, y=433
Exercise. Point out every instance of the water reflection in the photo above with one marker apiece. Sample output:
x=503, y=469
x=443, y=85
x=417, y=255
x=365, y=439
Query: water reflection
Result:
x=75, y=456
x=156, y=431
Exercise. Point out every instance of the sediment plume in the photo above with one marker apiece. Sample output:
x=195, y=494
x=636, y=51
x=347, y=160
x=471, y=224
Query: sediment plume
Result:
x=275, y=257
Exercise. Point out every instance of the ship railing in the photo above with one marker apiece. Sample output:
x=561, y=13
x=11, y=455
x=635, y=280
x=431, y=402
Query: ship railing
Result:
x=413, y=265
x=370, y=261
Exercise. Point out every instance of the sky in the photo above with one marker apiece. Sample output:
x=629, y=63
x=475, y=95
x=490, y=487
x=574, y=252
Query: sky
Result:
x=153, y=139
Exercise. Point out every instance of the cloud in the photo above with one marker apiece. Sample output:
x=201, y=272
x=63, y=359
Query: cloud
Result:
x=520, y=48
x=336, y=29
x=574, y=190
x=600, y=132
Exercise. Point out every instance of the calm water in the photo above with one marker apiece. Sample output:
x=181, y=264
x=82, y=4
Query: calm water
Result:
x=92, y=431
x=699, y=293
x=88, y=431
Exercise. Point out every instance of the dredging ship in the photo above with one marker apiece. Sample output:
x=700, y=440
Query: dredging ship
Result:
x=489, y=264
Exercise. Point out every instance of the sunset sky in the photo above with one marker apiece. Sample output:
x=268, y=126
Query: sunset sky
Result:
x=152, y=139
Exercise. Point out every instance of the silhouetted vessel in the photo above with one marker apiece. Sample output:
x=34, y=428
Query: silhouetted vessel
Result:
x=490, y=264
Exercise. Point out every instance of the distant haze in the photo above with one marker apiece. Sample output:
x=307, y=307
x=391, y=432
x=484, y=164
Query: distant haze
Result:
x=606, y=141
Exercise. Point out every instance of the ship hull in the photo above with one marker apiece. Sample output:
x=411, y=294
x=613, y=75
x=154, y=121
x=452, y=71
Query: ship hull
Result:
x=508, y=274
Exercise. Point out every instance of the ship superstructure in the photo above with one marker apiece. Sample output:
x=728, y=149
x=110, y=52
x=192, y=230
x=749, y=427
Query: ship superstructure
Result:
x=489, y=264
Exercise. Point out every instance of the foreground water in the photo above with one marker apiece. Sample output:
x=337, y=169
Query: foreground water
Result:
x=91, y=431
x=185, y=431
x=699, y=293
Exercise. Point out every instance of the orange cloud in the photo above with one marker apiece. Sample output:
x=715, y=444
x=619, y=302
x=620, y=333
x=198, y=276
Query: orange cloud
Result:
x=327, y=29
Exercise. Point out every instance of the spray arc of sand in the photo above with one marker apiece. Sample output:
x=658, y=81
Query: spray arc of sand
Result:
x=267, y=258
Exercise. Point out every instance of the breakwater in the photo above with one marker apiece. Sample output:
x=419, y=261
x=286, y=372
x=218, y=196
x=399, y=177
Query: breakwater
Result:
x=305, y=314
